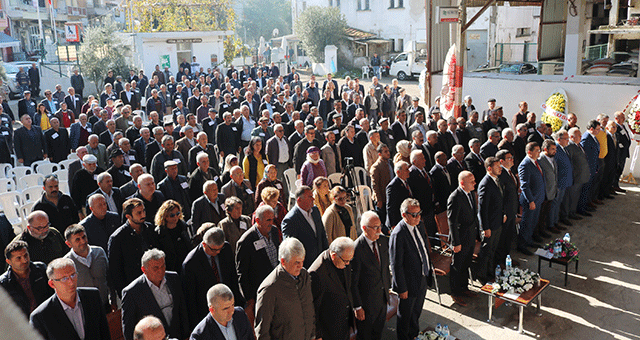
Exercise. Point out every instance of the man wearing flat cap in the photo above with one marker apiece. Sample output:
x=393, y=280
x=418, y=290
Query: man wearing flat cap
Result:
x=119, y=171
x=176, y=187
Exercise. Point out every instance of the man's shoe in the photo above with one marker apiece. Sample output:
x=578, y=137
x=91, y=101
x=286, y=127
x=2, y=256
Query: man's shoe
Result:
x=591, y=209
x=554, y=230
x=538, y=238
x=619, y=190
x=565, y=222
x=575, y=217
x=459, y=300
x=544, y=234
x=525, y=251
x=584, y=213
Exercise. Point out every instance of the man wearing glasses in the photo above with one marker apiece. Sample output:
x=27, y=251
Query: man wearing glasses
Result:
x=45, y=242
x=371, y=279
x=411, y=268
x=72, y=312
x=210, y=263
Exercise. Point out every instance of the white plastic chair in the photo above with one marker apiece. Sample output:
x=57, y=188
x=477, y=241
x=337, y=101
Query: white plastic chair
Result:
x=65, y=163
x=7, y=185
x=20, y=171
x=5, y=169
x=10, y=204
x=290, y=177
x=14, y=160
x=73, y=156
x=63, y=174
x=63, y=186
x=25, y=210
x=362, y=177
x=36, y=164
x=47, y=168
x=366, y=202
x=28, y=181
x=334, y=178
x=365, y=72
x=31, y=194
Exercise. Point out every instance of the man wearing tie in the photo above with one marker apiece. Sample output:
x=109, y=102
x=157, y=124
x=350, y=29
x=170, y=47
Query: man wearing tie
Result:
x=442, y=182
x=462, y=214
x=475, y=162
x=532, y=196
x=411, y=268
x=510, y=186
x=397, y=191
x=623, y=137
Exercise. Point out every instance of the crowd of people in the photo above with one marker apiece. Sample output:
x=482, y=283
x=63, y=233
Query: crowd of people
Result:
x=186, y=223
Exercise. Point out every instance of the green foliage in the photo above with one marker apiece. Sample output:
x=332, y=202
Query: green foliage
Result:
x=103, y=49
x=318, y=27
x=183, y=15
x=234, y=47
x=261, y=17
x=3, y=72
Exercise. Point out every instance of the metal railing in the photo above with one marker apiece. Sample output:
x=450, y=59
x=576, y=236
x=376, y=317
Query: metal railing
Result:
x=514, y=52
x=596, y=52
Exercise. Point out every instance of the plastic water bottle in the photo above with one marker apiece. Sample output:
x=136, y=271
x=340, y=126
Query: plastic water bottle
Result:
x=498, y=272
x=557, y=249
x=445, y=330
x=508, y=262
x=439, y=329
x=567, y=238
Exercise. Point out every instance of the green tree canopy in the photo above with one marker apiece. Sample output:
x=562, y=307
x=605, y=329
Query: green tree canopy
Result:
x=261, y=17
x=318, y=27
x=183, y=15
x=103, y=49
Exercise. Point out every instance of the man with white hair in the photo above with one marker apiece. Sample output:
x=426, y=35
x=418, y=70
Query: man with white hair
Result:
x=98, y=150
x=45, y=242
x=156, y=292
x=224, y=321
x=139, y=145
x=151, y=197
x=284, y=306
x=175, y=186
x=72, y=312
x=80, y=132
x=168, y=153
x=112, y=195
x=371, y=278
x=331, y=287
x=396, y=192
x=131, y=187
x=241, y=188
x=106, y=135
x=57, y=140
x=202, y=145
x=150, y=328
x=101, y=222
x=202, y=173
x=84, y=181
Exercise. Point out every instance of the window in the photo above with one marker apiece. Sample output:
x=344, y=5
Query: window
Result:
x=396, y=4
x=359, y=5
x=400, y=45
x=523, y=32
x=400, y=3
x=392, y=3
x=366, y=5
x=401, y=57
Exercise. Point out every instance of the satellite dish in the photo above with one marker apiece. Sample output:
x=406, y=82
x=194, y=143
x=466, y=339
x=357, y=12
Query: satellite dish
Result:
x=423, y=51
x=275, y=33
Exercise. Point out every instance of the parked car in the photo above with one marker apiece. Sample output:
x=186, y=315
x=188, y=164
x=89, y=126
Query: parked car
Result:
x=522, y=68
x=11, y=70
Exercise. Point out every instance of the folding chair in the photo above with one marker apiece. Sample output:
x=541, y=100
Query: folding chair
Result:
x=63, y=174
x=362, y=176
x=20, y=171
x=63, y=186
x=25, y=210
x=5, y=169
x=73, y=156
x=335, y=178
x=290, y=177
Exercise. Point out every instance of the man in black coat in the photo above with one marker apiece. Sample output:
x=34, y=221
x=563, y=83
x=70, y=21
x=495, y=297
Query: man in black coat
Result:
x=57, y=141
x=128, y=243
x=442, y=181
x=210, y=124
x=397, y=191
x=257, y=255
x=74, y=101
x=202, y=145
x=331, y=287
x=510, y=185
x=21, y=267
x=456, y=163
x=27, y=105
x=411, y=268
x=138, y=299
x=207, y=207
x=371, y=278
x=419, y=181
x=474, y=161
x=101, y=223
x=175, y=187
x=59, y=207
x=210, y=263
x=29, y=142
x=51, y=319
x=34, y=77
x=462, y=214
x=228, y=136
x=492, y=215
x=221, y=300
x=399, y=127
x=113, y=196
x=490, y=147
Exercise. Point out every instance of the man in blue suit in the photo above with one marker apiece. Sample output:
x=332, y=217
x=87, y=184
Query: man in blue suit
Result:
x=591, y=149
x=304, y=223
x=410, y=268
x=224, y=321
x=533, y=194
x=565, y=180
x=491, y=214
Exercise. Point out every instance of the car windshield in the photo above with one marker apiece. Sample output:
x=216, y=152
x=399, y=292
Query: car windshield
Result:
x=11, y=68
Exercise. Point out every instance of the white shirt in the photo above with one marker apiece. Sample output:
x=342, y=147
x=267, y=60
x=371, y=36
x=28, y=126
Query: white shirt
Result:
x=309, y=218
x=84, y=260
x=283, y=150
x=110, y=202
x=228, y=332
x=75, y=315
x=163, y=298
x=418, y=242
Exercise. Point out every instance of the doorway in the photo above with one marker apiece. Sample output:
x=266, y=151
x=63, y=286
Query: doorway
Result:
x=476, y=48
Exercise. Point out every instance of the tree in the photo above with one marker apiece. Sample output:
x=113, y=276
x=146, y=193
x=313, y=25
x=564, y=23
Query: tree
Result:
x=103, y=49
x=234, y=47
x=318, y=27
x=261, y=17
x=183, y=15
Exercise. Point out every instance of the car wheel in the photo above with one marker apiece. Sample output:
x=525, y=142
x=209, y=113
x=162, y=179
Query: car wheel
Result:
x=402, y=75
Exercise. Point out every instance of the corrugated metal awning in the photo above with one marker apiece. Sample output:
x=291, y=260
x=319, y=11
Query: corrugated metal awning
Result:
x=356, y=34
x=8, y=41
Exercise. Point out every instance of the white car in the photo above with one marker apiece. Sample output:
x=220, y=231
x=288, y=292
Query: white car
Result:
x=11, y=70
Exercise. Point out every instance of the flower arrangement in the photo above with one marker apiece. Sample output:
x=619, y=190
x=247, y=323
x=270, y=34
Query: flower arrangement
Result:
x=430, y=335
x=556, y=103
x=515, y=280
x=634, y=118
x=568, y=249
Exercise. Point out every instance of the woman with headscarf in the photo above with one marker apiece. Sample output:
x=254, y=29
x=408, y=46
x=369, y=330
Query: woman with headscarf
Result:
x=313, y=167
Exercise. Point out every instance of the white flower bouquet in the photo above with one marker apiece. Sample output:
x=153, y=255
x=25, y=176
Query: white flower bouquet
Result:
x=430, y=335
x=515, y=280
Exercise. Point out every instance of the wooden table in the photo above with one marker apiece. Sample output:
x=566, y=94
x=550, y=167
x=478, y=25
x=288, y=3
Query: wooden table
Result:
x=564, y=261
x=524, y=300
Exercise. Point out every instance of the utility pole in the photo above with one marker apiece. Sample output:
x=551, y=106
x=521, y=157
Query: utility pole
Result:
x=427, y=81
x=461, y=51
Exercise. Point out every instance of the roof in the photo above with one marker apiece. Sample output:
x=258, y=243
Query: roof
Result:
x=356, y=34
x=8, y=41
x=480, y=3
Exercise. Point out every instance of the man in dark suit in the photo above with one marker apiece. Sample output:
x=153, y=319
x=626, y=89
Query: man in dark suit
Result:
x=456, y=164
x=490, y=147
x=297, y=224
x=445, y=137
x=112, y=195
x=101, y=223
x=74, y=101
x=397, y=191
x=565, y=178
x=156, y=292
x=591, y=149
x=202, y=145
x=58, y=142
x=222, y=312
x=623, y=137
x=432, y=148
x=533, y=194
x=538, y=135
x=411, y=268
x=28, y=142
x=399, y=127
x=492, y=216
x=210, y=263
x=27, y=297
x=475, y=162
x=331, y=288
x=580, y=174
x=208, y=207
x=175, y=186
x=443, y=182
x=610, y=162
x=420, y=182
x=370, y=278
x=510, y=186
x=462, y=214
x=418, y=144
x=27, y=105
x=72, y=312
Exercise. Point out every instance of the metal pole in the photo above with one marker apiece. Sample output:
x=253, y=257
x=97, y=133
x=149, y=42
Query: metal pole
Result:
x=53, y=23
x=427, y=64
x=40, y=23
x=461, y=46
